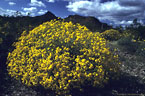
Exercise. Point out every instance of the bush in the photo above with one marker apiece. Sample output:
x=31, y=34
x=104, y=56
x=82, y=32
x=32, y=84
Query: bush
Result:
x=128, y=44
x=141, y=49
x=61, y=56
x=111, y=34
x=131, y=34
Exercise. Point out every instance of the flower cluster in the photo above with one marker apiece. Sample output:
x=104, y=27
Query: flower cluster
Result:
x=111, y=34
x=60, y=56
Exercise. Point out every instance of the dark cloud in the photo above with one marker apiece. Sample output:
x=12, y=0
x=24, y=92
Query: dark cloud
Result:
x=119, y=11
x=137, y=3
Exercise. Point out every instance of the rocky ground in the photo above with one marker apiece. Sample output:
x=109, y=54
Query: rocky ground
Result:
x=131, y=82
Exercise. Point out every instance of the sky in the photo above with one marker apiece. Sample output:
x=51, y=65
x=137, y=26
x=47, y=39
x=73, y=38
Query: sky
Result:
x=113, y=12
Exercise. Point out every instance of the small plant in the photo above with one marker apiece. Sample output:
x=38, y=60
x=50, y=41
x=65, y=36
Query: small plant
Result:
x=111, y=34
x=60, y=56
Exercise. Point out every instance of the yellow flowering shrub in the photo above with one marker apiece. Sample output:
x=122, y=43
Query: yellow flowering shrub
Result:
x=130, y=34
x=111, y=34
x=61, y=56
x=1, y=40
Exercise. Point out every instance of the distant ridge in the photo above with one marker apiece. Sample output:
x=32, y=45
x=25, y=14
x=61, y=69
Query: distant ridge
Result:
x=91, y=23
x=26, y=20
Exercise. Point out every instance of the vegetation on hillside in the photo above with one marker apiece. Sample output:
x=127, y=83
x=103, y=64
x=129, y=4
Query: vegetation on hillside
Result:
x=61, y=55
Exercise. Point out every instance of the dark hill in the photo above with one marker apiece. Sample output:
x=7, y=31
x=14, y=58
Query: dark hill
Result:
x=43, y=18
x=26, y=20
x=90, y=22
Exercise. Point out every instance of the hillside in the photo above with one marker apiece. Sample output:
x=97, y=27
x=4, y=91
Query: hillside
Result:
x=91, y=23
x=129, y=46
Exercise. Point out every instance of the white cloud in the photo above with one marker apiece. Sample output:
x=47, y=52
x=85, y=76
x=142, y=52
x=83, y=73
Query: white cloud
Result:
x=37, y=3
x=12, y=3
x=52, y=1
x=6, y=12
x=31, y=9
x=9, y=12
x=116, y=10
x=123, y=22
x=42, y=12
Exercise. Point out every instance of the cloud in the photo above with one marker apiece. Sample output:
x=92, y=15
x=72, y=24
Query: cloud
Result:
x=117, y=11
x=12, y=3
x=124, y=22
x=42, y=12
x=31, y=9
x=52, y=1
x=9, y=12
x=37, y=3
x=131, y=2
x=6, y=12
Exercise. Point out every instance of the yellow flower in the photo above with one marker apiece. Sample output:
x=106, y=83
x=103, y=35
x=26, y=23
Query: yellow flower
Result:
x=60, y=55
